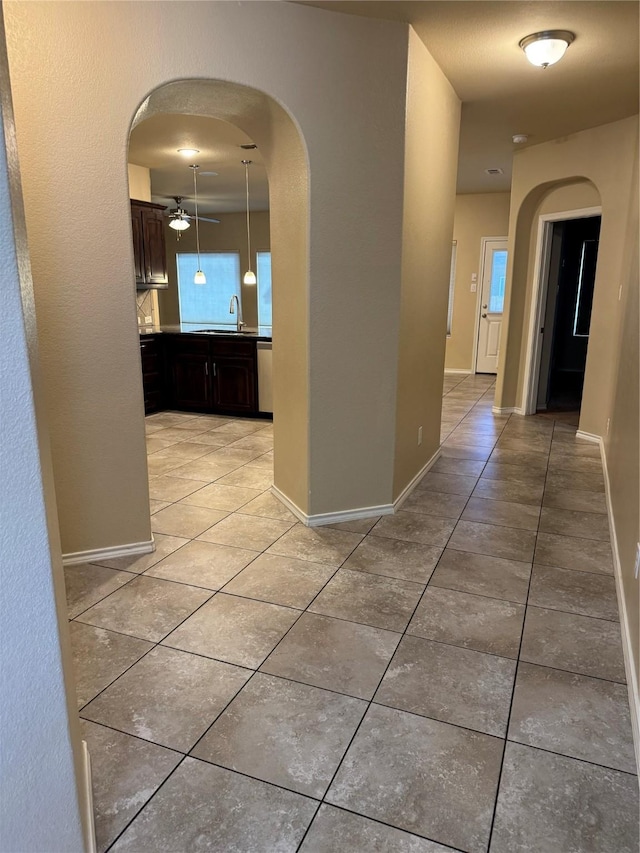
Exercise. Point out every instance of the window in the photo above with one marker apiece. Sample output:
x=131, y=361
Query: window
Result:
x=208, y=304
x=452, y=281
x=264, y=288
x=498, y=279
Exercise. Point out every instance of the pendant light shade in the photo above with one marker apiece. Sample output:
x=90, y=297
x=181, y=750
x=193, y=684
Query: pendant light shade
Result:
x=547, y=47
x=199, y=277
x=249, y=276
x=179, y=224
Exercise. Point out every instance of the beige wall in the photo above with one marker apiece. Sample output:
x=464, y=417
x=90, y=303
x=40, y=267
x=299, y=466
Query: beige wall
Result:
x=604, y=156
x=476, y=216
x=139, y=182
x=230, y=235
x=337, y=278
x=431, y=157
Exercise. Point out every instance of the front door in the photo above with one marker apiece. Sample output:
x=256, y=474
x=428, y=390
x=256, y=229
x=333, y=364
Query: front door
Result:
x=494, y=276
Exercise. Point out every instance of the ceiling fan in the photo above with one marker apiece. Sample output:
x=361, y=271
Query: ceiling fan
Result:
x=180, y=219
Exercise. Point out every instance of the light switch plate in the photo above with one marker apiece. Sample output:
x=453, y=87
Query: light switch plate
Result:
x=148, y=321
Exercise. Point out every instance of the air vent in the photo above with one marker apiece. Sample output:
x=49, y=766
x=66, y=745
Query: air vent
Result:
x=494, y=172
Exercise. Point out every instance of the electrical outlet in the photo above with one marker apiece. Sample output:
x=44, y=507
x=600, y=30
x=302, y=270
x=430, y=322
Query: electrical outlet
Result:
x=637, y=566
x=148, y=321
x=419, y=435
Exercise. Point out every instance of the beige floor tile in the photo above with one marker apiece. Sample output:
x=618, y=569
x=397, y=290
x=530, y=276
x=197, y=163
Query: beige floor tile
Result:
x=227, y=498
x=281, y=580
x=86, y=584
x=203, y=564
x=289, y=734
x=493, y=540
x=247, y=531
x=182, y=450
x=205, y=469
x=169, y=697
x=589, y=525
x=147, y=608
x=248, y=478
x=184, y=520
x=587, y=593
x=169, y=488
x=159, y=465
x=415, y=527
x=356, y=525
x=435, y=503
x=236, y=630
x=570, y=552
x=394, y=558
x=574, y=499
x=507, y=490
x=317, y=544
x=453, y=484
x=165, y=545
x=502, y=513
x=483, y=575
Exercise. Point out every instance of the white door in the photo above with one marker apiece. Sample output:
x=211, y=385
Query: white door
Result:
x=494, y=276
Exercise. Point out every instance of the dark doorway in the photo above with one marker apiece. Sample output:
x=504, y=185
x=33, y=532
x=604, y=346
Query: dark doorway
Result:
x=567, y=317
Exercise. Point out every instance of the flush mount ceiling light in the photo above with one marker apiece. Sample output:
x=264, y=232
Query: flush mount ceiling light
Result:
x=249, y=276
x=547, y=47
x=188, y=152
x=199, y=277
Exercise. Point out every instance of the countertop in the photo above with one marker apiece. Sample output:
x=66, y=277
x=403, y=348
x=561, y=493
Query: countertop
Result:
x=263, y=333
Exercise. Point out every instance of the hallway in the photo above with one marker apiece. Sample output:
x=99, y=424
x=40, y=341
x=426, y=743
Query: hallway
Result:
x=447, y=678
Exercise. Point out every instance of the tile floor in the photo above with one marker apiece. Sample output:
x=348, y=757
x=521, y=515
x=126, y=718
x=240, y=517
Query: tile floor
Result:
x=448, y=678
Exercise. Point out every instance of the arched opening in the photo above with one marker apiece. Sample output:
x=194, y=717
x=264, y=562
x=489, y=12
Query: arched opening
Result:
x=281, y=151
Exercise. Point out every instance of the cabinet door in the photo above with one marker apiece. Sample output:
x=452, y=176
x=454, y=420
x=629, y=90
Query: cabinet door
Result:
x=138, y=245
x=155, y=256
x=191, y=382
x=151, y=354
x=235, y=384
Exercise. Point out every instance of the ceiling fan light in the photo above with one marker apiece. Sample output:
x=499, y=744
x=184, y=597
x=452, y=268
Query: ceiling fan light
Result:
x=547, y=47
x=249, y=277
x=179, y=224
x=199, y=277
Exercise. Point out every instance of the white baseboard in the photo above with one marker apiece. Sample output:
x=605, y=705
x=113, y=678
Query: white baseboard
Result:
x=331, y=517
x=98, y=554
x=89, y=822
x=455, y=370
x=627, y=641
x=404, y=494
x=507, y=410
x=590, y=436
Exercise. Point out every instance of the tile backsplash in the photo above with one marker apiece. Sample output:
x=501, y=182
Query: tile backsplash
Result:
x=147, y=305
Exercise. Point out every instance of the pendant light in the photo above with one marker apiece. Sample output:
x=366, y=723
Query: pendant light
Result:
x=199, y=277
x=249, y=276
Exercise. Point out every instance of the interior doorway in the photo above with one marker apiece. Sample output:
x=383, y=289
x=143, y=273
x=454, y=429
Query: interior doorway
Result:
x=566, y=313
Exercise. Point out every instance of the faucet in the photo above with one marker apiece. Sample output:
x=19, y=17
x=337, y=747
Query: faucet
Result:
x=232, y=310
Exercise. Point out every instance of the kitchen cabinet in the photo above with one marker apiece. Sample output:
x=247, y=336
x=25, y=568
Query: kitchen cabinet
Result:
x=153, y=381
x=149, y=250
x=189, y=371
x=235, y=376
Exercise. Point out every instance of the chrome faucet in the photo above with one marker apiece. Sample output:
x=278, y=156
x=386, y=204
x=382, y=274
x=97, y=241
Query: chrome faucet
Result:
x=232, y=310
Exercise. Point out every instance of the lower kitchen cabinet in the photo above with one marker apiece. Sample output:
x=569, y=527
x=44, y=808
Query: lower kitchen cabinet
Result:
x=211, y=374
x=153, y=379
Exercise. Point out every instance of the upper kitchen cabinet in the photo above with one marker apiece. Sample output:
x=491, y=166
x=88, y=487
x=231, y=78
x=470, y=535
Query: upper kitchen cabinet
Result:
x=149, y=251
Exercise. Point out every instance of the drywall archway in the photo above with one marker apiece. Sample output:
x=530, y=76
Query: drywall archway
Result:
x=573, y=193
x=280, y=142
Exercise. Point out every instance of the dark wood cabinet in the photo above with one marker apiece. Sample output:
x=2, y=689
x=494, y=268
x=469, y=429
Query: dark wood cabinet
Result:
x=234, y=385
x=149, y=250
x=153, y=379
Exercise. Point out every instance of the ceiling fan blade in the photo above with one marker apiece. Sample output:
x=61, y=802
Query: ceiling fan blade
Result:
x=205, y=219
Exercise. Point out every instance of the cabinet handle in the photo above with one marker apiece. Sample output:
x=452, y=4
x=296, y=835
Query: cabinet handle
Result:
x=214, y=368
x=206, y=368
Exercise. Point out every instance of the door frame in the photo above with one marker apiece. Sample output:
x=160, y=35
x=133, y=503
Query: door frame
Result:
x=476, y=332
x=539, y=298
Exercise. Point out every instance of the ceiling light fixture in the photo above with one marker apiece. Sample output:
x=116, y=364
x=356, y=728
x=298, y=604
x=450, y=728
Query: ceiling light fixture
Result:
x=179, y=217
x=249, y=276
x=188, y=152
x=547, y=47
x=199, y=277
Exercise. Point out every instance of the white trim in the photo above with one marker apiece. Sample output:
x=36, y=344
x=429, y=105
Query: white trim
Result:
x=590, y=436
x=85, y=781
x=96, y=554
x=466, y=372
x=404, y=494
x=538, y=300
x=627, y=641
x=476, y=333
x=331, y=517
x=507, y=410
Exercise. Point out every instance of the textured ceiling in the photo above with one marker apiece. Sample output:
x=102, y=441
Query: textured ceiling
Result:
x=476, y=45
x=154, y=143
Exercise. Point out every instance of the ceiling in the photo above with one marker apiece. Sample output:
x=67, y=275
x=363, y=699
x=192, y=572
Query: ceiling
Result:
x=154, y=143
x=476, y=45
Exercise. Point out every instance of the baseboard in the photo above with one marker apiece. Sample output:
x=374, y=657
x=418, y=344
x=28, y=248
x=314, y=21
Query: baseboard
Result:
x=456, y=370
x=331, y=517
x=590, y=436
x=99, y=554
x=627, y=641
x=89, y=822
x=404, y=494
x=508, y=410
